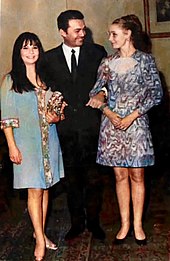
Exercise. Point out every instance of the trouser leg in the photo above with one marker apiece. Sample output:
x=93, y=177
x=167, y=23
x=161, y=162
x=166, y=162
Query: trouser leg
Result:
x=93, y=195
x=75, y=196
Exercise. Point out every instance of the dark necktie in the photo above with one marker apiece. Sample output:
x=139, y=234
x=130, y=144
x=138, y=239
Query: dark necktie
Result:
x=73, y=65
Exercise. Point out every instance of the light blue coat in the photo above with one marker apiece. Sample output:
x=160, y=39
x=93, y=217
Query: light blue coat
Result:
x=21, y=112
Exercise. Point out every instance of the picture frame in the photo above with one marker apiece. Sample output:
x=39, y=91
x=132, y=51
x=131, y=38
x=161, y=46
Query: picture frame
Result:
x=157, y=21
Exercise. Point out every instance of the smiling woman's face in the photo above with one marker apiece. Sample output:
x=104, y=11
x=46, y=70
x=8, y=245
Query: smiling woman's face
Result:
x=118, y=36
x=29, y=53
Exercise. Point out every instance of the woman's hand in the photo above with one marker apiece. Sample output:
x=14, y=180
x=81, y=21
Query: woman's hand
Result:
x=113, y=117
x=53, y=117
x=128, y=120
x=15, y=155
x=125, y=123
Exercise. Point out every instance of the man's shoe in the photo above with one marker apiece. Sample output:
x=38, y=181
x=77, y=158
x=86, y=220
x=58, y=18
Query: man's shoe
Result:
x=97, y=232
x=74, y=232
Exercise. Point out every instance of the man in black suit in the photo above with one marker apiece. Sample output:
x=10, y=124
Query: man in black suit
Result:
x=74, y=76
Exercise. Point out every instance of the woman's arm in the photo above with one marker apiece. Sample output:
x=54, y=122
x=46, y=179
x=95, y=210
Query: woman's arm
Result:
x=152, y=92
x=14, y=153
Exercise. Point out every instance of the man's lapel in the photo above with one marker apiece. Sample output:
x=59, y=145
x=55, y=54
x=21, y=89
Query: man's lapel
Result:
x=62, y=62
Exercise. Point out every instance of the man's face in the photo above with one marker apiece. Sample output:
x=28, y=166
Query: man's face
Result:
x=74, y=36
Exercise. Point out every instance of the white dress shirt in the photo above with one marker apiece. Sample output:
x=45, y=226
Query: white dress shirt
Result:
x=68, y=53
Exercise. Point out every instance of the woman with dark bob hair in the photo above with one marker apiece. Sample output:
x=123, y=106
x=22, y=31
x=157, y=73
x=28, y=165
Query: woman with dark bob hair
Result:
x=27, y=109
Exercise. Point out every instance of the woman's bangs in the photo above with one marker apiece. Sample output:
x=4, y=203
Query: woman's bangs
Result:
x=30, y=42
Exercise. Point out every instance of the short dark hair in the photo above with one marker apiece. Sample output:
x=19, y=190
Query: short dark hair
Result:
x=64, y=17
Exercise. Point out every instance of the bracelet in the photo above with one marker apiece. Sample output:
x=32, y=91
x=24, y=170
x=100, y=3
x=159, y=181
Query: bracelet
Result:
x=101, y=108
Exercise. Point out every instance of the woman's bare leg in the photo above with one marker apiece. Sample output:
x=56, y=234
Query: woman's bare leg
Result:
x=49, y=244
x=45, y=207
x=35, y=208
x=123, y=196
x=138, y=195
x=45, y=200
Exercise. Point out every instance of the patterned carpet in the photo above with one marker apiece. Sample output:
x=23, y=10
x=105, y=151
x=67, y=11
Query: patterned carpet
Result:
x=156, y=224
x=16, y=241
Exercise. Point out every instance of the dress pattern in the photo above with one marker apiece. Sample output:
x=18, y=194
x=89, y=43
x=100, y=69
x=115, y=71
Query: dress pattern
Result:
x=42, y=164
x=44, y=126
x=132, y=83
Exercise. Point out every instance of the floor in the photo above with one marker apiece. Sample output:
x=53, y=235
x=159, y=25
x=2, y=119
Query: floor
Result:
x=15, y=228
x=16, y=233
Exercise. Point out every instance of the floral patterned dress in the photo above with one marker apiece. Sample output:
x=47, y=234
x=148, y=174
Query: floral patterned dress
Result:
x=132, y=83
x=42, y=164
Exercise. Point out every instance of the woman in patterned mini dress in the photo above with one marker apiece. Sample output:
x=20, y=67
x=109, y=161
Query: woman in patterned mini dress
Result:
x=125, y=142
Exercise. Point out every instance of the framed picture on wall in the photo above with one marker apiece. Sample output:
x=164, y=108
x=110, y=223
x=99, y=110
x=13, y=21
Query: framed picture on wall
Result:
x=157, y=18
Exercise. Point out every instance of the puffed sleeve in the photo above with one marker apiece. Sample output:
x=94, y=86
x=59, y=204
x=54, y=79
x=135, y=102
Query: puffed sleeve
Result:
x=102, y=77
x=152, y=90
x=9, y=115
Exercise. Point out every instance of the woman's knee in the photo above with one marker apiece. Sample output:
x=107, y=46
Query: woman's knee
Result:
x=35, y=193
x=121, y=174
x=137, y=175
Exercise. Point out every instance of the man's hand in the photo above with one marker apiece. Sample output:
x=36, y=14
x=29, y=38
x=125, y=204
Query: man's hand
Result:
x=97, y=100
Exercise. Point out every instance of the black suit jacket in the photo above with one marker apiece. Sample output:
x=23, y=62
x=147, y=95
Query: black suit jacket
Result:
x=78, y=133
x=78, y=116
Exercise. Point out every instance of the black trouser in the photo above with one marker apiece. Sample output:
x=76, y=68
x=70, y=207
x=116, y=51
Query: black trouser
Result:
x=83, y=177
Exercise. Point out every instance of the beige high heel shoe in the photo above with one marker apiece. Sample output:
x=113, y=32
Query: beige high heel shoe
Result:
x=49, y=245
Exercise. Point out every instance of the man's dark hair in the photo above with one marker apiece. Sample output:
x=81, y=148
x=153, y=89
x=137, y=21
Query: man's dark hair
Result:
x=64, y=17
